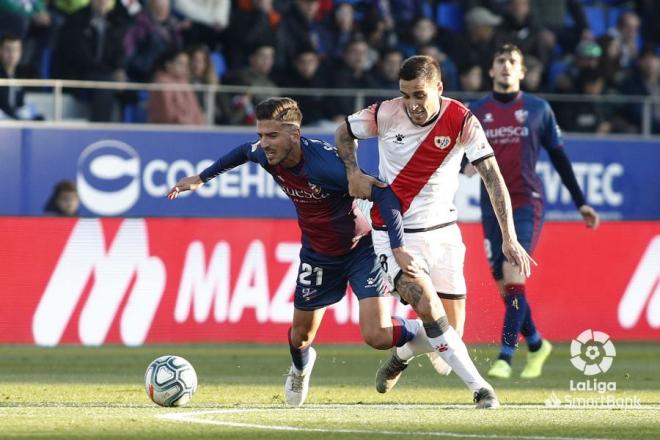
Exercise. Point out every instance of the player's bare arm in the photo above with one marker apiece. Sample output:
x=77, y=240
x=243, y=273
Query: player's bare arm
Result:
x=189, y=183
x=499, y=198
x=359, y=184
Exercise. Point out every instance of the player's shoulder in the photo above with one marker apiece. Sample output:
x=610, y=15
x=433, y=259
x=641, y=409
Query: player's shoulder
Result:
x=534, y=102
x=475, y=105
x=317, y=150
x=390, y=107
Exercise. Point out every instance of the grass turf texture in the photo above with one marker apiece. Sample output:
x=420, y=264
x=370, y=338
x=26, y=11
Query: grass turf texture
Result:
x=74, y=392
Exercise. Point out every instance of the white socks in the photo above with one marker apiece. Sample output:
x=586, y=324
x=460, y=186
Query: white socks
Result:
x=453, y=351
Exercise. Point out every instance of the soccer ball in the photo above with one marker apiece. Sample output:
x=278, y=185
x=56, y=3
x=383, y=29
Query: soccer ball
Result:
x=170, y=381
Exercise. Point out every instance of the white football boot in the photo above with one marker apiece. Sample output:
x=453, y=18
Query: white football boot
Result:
x=296, y=386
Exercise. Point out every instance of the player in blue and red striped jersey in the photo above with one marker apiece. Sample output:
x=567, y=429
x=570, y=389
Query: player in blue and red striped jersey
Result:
x=336, y=237
x=517, y=125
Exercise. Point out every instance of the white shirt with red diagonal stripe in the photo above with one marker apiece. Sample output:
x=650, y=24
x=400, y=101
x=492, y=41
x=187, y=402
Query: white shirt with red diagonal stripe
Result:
x=421, y=163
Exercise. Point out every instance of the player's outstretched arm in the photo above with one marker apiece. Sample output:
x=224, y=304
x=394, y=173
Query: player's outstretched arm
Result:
x=189, y=183
x=390, y=210
x=234, y=158
x=499, y=198
x=359, y=184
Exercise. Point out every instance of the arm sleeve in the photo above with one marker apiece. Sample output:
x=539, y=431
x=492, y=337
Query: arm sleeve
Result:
x=236, y=157
x=390, y=209
x=473, y=138
x=363, y=124
x=563, y=166
x=551, y=134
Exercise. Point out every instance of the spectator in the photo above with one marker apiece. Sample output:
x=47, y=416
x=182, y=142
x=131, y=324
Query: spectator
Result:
x=258, y=72
x=610, y=61
x=90, y=48
x=448, y=69
x=478, y=46
x=340, y=31
x=32, y=23
x=552, y=15
x=386, y=73
x=307, y=74
x=209, y=19
x=644, y=80
x=12, y=103
x=532, y=81
x=202, y=71
x=587, y=57
x=585, y=116
x=299, y=30
x=178, y=106
x=154, y=33
x=521, y=28
x=424, y=32
x=352, y=73
x=64, y=200
x=261, y=19
x=471, y=78
x=627, y=33
x=239, y=109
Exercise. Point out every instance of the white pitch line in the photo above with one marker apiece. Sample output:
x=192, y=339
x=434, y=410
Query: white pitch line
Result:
x=194, y=417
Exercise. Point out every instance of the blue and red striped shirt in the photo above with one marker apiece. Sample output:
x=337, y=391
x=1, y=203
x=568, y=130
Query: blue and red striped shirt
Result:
x=517, y=130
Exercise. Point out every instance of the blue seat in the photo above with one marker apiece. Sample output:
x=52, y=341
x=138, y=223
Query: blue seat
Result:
x=137, y=113
x=596, y=18
x=219, y=63
x=450, y=16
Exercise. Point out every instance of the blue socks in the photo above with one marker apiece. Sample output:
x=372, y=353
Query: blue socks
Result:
x=514, y=318
x=299, y=356
x=530, y=333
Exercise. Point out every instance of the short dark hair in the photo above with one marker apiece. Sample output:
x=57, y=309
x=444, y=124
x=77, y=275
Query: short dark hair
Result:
x=280, y=109
x=509, y=48
x=420, y=66
x=9, y=37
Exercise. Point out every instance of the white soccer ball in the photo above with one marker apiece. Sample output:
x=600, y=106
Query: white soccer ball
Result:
x=170, y=381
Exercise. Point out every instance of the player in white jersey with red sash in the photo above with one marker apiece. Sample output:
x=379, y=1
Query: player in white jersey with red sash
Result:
x=422, y=138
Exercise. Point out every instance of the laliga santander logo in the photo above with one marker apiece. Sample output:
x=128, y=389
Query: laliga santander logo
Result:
x=592, y=352
x=108, y=177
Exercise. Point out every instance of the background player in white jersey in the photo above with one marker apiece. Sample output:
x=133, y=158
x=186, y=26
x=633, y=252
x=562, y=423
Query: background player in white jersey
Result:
x=421, y=139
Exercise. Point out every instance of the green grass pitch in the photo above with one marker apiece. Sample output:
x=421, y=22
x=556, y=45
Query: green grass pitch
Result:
x=74, y=392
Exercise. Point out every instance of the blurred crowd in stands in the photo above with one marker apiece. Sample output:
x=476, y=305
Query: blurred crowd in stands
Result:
x=585, y=47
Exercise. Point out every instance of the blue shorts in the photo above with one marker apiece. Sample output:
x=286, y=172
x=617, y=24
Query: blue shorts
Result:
x=322, y=280
x=528, y=221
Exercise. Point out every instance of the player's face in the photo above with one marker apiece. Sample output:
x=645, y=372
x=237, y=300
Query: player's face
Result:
x=421, y=97
x=507, y=72
x=280, y=142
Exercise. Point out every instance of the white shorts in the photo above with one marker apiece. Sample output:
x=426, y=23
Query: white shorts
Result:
x=440, y=251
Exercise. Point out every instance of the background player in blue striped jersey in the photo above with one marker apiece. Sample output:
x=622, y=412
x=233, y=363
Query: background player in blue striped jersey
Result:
x=336, y=237
x=517, y=125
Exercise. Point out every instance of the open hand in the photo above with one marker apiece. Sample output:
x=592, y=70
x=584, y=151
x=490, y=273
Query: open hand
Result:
x=518, y=257
x=189, y=183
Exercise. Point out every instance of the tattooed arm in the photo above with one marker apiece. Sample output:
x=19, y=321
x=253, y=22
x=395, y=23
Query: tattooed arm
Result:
x=499, y=198
x=359, y=184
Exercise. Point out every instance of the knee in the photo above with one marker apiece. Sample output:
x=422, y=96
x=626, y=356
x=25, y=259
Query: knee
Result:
x=379, y=338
